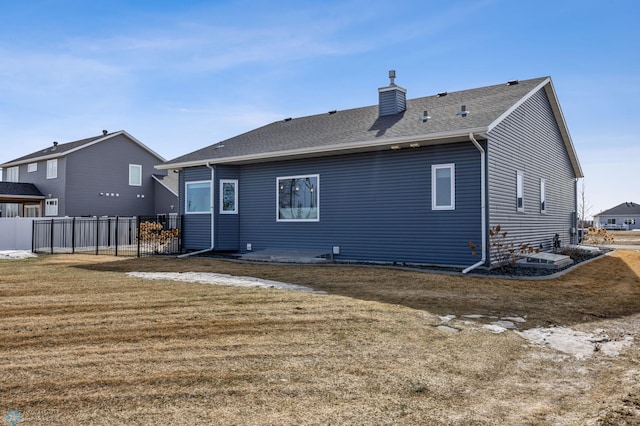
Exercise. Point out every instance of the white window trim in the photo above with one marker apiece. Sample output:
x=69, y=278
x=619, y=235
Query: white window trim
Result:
x=520, y=190
x=52, y=169
x=137, y=167
x=186, y=196
x=317, y=191
x=235, y=196
x=47, y=207
x=32, y=167
x=434, y=189
x=9, y=172
x=543, y=196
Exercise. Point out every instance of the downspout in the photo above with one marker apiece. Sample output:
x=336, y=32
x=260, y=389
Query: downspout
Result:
x=213, y=175
x=483, y=208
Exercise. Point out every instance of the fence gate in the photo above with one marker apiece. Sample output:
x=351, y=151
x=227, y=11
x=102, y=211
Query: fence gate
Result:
x=117, y=236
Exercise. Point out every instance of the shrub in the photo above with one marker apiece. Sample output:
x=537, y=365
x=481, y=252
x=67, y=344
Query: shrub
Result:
x=503, y=251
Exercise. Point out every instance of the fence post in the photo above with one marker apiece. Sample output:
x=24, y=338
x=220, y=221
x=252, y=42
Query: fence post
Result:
x=52, y=223
x=97, y=235
x=138, y=233
x=108, y=232
x=33, y=236
x=73, y=235
x=117, y=221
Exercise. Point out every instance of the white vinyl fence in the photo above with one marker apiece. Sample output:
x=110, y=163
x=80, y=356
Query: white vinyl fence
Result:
x=15, y=233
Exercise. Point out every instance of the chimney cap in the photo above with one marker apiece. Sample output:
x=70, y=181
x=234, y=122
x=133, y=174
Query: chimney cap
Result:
x=392, y=77
x=105, y=132
x=55, y=143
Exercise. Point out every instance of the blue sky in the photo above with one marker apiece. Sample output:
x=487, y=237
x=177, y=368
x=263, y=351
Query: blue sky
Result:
x=181, y=75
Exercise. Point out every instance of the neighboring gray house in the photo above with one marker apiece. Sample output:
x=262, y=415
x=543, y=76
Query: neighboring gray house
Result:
x=403, y=181
x=20, y=199
x=107, y=175
x=623, y=216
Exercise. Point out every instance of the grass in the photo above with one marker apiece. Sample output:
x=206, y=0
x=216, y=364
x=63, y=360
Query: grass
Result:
x=82, y=343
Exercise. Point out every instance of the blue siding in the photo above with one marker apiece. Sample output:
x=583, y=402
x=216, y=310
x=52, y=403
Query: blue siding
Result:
x=227, y=226
x=375, y=206
x=529, y=140
x=196, y=227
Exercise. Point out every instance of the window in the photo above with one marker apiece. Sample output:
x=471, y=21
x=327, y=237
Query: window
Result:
x=520, y=191
x=52, y=169
x=51, y=207
x=198, y=199
x=32, y=167
x=611, y=221
x=543, y=201
x=298, y=198
x=31, y=210
x=228, y=196
x=629, y=221
x=443, y=187
x=135, y=175
x=12, y=174
x=11, y=209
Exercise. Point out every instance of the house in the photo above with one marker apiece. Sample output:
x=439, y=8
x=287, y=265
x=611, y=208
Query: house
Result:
x=623, y=216
x=111, y=174
x=406, y=180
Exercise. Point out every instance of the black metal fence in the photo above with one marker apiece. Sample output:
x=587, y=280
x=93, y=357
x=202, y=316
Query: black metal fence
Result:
x=118, y=236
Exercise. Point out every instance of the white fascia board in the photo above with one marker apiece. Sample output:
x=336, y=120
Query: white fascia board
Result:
x=432, y=138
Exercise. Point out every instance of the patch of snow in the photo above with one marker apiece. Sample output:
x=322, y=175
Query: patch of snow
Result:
x=447, y=318
x=16, y=254
x=447, y=329
x=580, y=345
x=494, y=328
x=219, y=279
x=473, y=316
x=504, y=324
x=514, y=319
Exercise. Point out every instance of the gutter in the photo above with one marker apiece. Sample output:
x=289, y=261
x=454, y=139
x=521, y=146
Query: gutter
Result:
x=433, y=138
x=483, y=207
x=213, y=174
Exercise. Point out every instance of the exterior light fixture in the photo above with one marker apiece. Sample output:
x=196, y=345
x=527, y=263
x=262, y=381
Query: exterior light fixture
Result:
x=395, y=147
x=414, y=145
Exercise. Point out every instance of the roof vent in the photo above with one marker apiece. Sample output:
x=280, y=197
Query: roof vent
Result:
x=55, y=143
x=287, y=119
x=105, y=133
x=333, y=111
x=425, y=116
x=393, y=98
x=441, y=94
x=463, y=111
x=512, y=82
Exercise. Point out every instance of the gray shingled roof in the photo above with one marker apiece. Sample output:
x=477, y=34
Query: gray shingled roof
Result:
x=170, y=181
x=331, y=131
x=624, y=209
x=61, y=149
x=19, y=190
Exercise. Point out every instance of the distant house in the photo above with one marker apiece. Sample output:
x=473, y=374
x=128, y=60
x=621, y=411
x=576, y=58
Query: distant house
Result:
x=107, y=175
x=623, y=216
x=406, y=180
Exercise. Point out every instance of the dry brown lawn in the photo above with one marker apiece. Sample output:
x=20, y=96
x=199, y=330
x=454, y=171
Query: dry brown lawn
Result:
x=83, y=343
